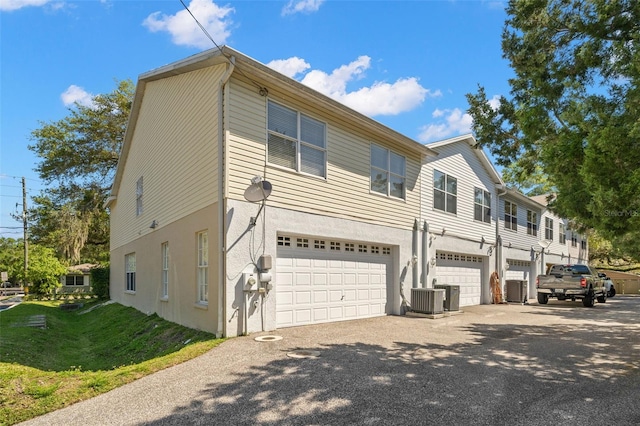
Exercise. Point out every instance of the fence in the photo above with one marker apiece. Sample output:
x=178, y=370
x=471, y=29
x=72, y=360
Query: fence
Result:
x=627, y=286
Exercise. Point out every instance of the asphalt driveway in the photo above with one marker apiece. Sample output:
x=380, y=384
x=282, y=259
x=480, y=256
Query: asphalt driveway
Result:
x=491, y=365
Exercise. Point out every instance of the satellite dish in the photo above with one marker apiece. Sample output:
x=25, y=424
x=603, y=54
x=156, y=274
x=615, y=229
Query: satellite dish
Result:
x=259, y=190
x=545, y=243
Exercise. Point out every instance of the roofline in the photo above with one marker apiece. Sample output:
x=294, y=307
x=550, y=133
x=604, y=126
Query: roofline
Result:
x=222, y=55
x=471, y=141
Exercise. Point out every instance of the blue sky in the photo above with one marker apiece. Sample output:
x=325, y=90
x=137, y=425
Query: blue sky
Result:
x=406, y=64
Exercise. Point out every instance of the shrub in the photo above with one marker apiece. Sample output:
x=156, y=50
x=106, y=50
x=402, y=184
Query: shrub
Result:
x=100, y=281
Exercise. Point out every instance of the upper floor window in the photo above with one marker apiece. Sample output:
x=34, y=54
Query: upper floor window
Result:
x=130, y=271
x=583, y=244
x=532, y=223
x=445, y=192
x=139, y=197
x=387, y=172
x=574, y=240
x=562, y=233
x=510, y=215
x=296, y=141
x=482, y=205
x=548, y=228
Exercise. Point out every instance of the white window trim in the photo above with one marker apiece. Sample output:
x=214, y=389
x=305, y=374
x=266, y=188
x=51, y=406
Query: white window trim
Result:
x=202, y=272
x=389, y=173
x=533, y=229
x=139, y=195
x=512, y=227
x=165, y=270
x=445, y=191
x=299, y=142
x=130, y=271
x=548, y=228
x=482, y=205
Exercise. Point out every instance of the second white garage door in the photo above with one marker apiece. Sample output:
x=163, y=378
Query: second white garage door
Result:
x=462, y=270
x=324, y=281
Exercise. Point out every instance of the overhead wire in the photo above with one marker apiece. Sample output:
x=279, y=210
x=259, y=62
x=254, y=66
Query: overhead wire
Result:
x=263, y=90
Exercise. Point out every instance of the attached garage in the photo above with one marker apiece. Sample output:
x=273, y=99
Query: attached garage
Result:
x=321, y=280
x=518, y=270
x=464, y=271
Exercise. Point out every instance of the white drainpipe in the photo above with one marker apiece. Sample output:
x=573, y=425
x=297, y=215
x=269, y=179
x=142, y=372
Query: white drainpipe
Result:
x=222, y=203
x=425, y=254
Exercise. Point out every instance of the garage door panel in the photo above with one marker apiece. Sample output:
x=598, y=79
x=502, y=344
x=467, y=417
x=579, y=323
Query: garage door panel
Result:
x=464, y=271
x=314, y=286
x=320, y=297
x=319, y=279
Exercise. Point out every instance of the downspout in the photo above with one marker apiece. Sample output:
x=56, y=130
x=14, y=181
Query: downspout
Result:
x=501, y=191
x=425, y=254
x=222, y=202
x=414, y=255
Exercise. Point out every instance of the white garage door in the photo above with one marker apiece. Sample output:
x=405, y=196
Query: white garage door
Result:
x=462, y=270
x=324, y=280
x=518, y=270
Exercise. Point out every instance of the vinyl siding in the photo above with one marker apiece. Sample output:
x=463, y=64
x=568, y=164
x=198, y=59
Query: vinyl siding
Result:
x=174, y=148
x=345, y=191
x=459, y=161
x=519, y=238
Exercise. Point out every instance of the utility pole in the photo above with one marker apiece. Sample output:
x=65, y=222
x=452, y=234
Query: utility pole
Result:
x=25, y=228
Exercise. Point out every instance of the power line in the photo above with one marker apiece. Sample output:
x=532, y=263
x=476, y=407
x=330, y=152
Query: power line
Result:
x=263, y=90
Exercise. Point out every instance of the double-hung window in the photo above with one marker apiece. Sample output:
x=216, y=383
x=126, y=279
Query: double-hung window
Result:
x=548, y=228
x=130, y=271
x=387, y=172
x=532, y=223
x=482, y=205
x=165, y=270
x=203, y=267
x=296, y=141
x=562, y=233
x=445, y=192
x=139, y=191
x=510, y=215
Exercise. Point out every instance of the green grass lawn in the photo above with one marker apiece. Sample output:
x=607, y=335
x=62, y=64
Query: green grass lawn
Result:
x=83, y=353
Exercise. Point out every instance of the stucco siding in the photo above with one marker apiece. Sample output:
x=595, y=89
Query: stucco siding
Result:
x=181, y=304
x=245, y=248
x=344, y=193
x=174, y=149
x=459, y=161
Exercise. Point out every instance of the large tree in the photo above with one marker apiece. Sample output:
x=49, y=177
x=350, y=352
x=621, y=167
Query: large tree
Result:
x=79, y=155
x=574, y=109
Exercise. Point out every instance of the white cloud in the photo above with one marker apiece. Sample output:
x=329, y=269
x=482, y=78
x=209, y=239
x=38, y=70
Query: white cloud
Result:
x=8, y=5
x=494, y=102
x=185, y=31
x=77, y=94
x=381, y=98
x=301, y=6
x=455, y=123
x=289, y=67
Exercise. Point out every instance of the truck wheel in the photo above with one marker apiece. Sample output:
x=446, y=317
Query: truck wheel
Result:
x=612, y=292
x=602, y=299
x=588, y=300
x=543, y=298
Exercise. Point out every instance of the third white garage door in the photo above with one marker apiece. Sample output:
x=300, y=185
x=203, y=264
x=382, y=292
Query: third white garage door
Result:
x=321, y=280
x=462, y=270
